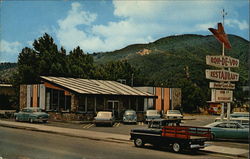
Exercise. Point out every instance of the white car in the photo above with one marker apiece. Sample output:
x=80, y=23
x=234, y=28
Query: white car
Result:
x=173, y=114
x=104, y=117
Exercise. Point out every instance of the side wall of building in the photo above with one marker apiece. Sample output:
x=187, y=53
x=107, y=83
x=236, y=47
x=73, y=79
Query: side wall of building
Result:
x=23, y=97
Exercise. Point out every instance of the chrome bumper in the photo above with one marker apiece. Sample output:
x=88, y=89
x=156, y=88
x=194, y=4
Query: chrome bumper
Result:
x=198, y=146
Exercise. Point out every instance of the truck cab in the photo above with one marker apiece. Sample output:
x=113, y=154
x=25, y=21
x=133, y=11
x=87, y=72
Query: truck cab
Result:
x=160, y=123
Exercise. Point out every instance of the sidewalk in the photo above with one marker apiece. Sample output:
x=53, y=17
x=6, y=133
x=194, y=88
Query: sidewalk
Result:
x=67, y=131
x=111, y=137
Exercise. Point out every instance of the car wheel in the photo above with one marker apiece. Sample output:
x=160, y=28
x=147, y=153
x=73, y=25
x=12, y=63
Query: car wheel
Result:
x=212, y=137
x=45, y=121
x=31, y=120
x=138, y=142
x=176, y=147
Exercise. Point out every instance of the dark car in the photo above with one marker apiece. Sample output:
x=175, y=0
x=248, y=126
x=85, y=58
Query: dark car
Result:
x=129, y=116
x=32, y=114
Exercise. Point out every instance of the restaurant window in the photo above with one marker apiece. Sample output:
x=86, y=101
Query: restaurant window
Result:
x=82, y=101
x=57, y=101
x=91, y=104
x=99, y=103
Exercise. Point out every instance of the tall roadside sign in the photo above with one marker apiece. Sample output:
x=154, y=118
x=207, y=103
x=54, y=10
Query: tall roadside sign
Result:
x=222, y=89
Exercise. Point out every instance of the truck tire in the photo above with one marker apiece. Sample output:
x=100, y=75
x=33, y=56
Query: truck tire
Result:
x=176, y=147
x=138, y=142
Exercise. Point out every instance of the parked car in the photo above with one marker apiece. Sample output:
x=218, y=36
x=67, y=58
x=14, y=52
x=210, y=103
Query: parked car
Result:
x=173, y=114
x=240, y=115
x=104, y=117
x=241, y=120
x=129, y=116
x=228, y=130
x=152, y=114
x=32, y=114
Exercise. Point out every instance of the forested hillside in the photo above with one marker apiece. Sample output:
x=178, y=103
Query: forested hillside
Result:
x=174, y=61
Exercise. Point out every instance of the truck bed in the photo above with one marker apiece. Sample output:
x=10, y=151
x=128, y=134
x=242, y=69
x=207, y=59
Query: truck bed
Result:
x=186, y=132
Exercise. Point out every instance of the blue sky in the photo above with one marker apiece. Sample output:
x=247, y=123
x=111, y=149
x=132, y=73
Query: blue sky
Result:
x=105, y=25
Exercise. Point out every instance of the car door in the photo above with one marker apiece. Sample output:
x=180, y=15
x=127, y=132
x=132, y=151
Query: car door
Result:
x=26, y=115
x=219, y=130
x=21, y=115
x=233, y=130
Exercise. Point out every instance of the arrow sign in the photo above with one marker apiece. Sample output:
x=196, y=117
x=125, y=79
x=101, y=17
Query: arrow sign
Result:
x=222, y=61
x=222, y=75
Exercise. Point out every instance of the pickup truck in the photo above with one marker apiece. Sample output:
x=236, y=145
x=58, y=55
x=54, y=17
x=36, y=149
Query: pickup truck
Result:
x=168, y=132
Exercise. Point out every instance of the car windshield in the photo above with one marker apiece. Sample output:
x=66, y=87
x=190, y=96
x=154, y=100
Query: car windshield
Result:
x=32, y=110
x=36, y=110
x=152, y=112
x=130, y=113
x=174, y=112
x=104, y=114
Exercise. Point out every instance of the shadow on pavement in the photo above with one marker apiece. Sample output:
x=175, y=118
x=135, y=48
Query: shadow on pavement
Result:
x=168, y=149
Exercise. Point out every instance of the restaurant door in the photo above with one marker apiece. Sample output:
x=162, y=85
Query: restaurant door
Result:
x=113, y=105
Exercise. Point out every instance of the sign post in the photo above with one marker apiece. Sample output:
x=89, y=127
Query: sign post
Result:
x=222, y=92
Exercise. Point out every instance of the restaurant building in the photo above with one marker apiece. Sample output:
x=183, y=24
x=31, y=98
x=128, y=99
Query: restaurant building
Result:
x=80, y=99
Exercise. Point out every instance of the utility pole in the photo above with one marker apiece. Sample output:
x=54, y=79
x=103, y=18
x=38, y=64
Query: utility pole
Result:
x=132, y=80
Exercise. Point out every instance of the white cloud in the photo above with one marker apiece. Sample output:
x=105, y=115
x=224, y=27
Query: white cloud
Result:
x=9, y=50
x=140, y=22
x=242, y=25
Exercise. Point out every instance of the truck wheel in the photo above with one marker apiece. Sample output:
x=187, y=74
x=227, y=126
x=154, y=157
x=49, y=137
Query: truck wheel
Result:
x=176, y=147
x=138, y=142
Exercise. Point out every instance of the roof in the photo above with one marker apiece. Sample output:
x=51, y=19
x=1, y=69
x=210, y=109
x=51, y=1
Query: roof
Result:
x=89, y=86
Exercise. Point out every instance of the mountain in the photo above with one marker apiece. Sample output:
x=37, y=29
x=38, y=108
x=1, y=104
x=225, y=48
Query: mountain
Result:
x=6, y=71
x=168, y=59
x=165, y=61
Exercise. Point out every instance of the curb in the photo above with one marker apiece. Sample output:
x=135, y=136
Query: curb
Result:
x=221, y=153
x=116, y=140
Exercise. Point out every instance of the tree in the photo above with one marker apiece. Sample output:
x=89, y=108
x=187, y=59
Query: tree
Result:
x=80, y=65
x=28, y=64
x=115, y=70
x=52, y=61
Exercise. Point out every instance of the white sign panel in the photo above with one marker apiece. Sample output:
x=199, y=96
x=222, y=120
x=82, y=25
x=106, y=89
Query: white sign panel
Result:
x=222, y=61
x=222, y=96
x=221, y=85
x=222, y=75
